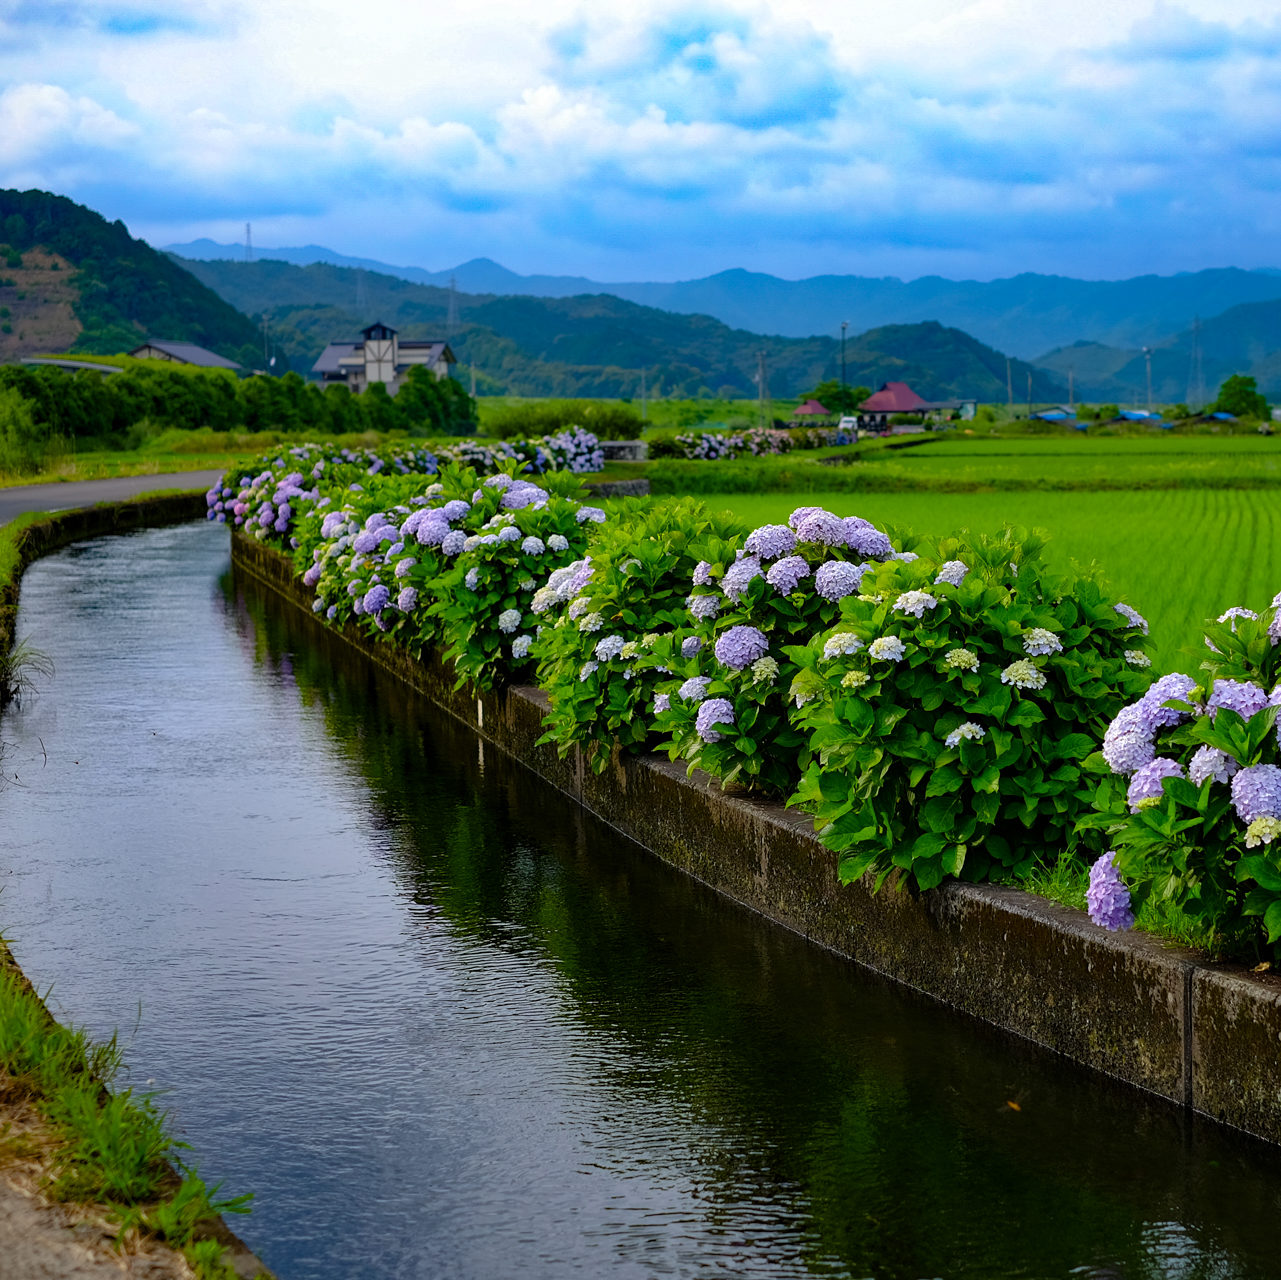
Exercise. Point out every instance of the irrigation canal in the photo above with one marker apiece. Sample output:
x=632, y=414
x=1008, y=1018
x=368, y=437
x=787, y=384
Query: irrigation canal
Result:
x=446, y=1025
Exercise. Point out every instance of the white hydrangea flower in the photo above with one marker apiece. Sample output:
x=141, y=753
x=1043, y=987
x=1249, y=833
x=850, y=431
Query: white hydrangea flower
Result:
x=855, y=680
x=520, y=647
x=915, y=602
x=1023, y=675
x=558, y=542
x=887, y=649
x=965, y=659
x=1262, y=831
x=593, y=622
x=509, y=620
x=579, y=606
x=967, y=730
x=1040, y=642
x=1137, y=658
x=842, y=643
x=764, y=670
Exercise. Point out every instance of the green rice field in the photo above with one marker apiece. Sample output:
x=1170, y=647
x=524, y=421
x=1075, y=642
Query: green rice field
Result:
x=1176, y=555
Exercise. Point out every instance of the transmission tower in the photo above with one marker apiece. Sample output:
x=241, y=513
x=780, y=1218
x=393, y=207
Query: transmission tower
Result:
x=249, y=244
x=451, y=316
x=1196, y=373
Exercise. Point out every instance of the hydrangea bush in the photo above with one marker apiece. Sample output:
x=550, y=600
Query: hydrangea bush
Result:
x=728, y=706
x=485, y=598
x=595, y=650
x=1189, y=794
x=948, y=710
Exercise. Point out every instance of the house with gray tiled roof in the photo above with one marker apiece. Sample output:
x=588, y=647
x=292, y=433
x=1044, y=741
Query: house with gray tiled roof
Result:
x=380, y=356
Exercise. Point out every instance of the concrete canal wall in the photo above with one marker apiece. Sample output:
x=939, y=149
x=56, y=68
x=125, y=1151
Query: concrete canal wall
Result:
x=1205, y=1036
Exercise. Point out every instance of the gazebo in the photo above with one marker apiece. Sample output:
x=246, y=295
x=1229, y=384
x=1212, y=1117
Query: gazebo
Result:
x=811, y=408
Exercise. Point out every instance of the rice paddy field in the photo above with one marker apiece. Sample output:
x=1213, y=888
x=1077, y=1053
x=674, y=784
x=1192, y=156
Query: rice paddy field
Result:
x=1177, y=555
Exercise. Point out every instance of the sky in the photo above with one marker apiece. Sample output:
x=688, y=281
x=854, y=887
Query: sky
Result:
x=972, y=139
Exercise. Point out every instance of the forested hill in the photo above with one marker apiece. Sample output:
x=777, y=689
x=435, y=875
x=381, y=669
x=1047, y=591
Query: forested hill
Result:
x=69, y=279
x=597, y=345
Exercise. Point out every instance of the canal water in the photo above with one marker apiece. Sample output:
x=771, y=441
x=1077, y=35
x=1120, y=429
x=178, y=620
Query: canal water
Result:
x=443, y=1024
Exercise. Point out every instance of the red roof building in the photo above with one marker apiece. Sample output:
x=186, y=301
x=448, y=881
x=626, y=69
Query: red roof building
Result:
x=893, y=397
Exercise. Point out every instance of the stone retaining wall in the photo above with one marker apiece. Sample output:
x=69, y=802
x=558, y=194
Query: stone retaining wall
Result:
x=1204, y=1036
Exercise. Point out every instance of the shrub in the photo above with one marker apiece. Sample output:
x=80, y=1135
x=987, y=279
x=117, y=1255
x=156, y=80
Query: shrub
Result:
x=949, y=709
x=604, y=419
x=1190, y=793
x=633, y=587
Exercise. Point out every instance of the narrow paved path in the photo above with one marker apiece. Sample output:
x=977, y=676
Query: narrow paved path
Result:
x=84, y=493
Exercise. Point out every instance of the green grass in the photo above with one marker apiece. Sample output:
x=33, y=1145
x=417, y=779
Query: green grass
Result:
x=112, y=1149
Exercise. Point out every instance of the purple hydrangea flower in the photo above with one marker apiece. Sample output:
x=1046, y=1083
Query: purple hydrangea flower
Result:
x=455, y=510
x=533, y=546
x=690, y=646
x=801, y=514
x=312, y=576
x=702, y=573
x=1172, y=688
x=365, y=541
x=407, y=598
x=824, y=528
x=662, y=702
x=453, y=542
x=331, y=612
x=1132, y=616
x=836, y=579
x=594, y=514
x=738, y=575
x=1256, y=792
x=770, y=541
x=432, y=533
x=509, y=533
x=703, y=607
x=376, y=599
x=695, y=688
x=739, y=647
x=1127, y=744
x=1146, y=782
x=522, y=495
x=404, y=566
x=471, y=580
x=865, y=539
x=1107, y=897
x=785, y=576
x=1242, y=696
x=713, y=712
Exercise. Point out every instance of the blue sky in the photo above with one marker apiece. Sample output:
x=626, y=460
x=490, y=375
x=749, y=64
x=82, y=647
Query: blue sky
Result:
x=1088, y=138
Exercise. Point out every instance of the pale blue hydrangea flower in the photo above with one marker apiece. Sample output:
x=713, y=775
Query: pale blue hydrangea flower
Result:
x=740, y=646
x=1023, y=675
x=509, y=620
x=906, y=556
x=713, y=712
x=695, y=688
x=317, y=604
x=887, y=649
x=785, y=576
x=703, y=607
x=453, y=542
x=471, y=579
x=1145, y=784
x=1231, y=616
x=969, y=729
x=690, y=646
x=952, y=572
x=587, y=669
x=835, y=579
x=499, y=481
x=533, y=546
x=662, y=702
x=520, y=647
x=558, y=542
x=738, y=575
x=594, y=514
x=824, y=528
x=1040, y=642
x=527, y=584
x=915, y=603
x=1107, y=898
x=1176, y=687
x=579, y=606
x=864, y=539
x=841, y=644
x=1210, y=762
x=702, y=573
x=770, y=541
x=1256, y=792
x=608, y=648
x=509, y=533
x=1132, y=616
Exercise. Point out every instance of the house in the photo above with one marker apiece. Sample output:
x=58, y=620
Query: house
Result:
x=897, y=397
x=182, y=353
x=380, y=356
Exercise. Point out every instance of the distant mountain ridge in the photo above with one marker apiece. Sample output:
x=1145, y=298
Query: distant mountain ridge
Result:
x=598, y=344
x=1024, y=315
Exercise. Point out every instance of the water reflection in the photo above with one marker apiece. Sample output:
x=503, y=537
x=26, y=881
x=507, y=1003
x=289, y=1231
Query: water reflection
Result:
x=446, y=1024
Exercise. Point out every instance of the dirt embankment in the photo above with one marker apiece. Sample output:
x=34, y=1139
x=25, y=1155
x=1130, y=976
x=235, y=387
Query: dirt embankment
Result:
x=37, y=306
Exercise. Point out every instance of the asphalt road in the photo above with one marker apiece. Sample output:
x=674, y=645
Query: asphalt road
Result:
x=84, y=493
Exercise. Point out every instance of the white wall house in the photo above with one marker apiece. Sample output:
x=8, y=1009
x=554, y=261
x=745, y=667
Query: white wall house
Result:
x=380, y=356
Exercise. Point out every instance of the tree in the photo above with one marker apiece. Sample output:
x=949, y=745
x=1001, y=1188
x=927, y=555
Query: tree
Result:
x=831, y=395
x=1240, y=397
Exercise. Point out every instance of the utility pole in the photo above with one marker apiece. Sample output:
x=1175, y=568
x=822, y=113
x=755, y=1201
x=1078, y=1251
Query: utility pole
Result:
x=473, y=382
x=644, y=401
x=845, y=324
x=265, y=364
x=762, y=386
x=1147, y=360
x=1029, y=395
x=249, y=245
x=1009, y=382
x=1071, y=389
x=451, y=318
x=1196, y=374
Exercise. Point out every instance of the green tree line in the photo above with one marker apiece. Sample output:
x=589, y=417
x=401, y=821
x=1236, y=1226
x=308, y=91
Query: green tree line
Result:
x=43, y=406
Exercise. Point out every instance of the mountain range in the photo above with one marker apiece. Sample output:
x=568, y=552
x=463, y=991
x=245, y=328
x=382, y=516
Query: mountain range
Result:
x=1024, y=315
x=598, y=344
